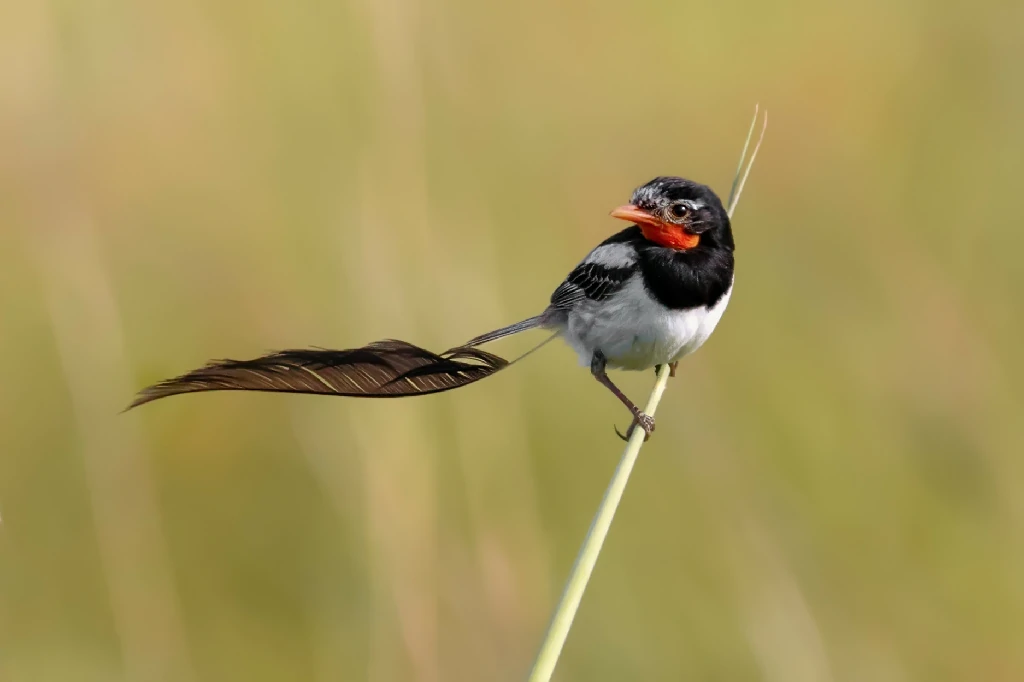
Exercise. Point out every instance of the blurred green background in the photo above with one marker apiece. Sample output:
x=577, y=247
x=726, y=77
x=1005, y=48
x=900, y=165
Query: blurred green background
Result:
x=835, y=488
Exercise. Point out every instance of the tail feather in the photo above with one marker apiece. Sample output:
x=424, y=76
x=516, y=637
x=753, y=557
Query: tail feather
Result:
x=525, y=325
x=385, y=369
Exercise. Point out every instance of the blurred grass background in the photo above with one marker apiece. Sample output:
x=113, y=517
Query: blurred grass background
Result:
x=835, y=488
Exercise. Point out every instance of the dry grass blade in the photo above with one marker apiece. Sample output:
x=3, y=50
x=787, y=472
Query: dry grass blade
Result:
x=737, y=189
x=743, y=156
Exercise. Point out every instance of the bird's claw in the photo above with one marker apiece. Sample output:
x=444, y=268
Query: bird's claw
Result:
x=646, y=422
x=671, y=368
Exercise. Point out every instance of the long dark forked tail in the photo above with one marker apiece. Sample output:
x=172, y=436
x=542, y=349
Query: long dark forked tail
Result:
x=385, y=369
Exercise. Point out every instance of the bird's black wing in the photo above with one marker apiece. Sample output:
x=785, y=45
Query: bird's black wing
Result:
x=602, y=273
x=591, y=281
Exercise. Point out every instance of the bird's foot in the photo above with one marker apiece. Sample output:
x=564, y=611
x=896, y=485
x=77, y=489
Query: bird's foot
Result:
x=671, y=368
x=644, y=421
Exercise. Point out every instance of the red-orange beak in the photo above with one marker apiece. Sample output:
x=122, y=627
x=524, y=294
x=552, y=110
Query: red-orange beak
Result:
x=635, y=214
x=657, y=230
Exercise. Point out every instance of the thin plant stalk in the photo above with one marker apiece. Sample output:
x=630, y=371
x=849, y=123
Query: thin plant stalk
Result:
x=561, y=621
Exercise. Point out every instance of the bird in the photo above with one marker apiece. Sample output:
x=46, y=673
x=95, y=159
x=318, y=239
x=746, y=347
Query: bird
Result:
x=647, y=296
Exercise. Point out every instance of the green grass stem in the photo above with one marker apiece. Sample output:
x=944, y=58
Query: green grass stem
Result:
x=561, y=621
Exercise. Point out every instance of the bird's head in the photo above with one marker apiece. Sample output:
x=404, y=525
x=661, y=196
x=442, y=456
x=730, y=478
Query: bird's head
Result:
x=679, y=214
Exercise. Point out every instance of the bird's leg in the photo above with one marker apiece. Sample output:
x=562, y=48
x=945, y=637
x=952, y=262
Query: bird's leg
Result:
x=671, y=368
x=597, y=368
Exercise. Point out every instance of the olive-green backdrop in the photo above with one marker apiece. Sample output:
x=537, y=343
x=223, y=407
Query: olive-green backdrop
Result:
x=836, y=488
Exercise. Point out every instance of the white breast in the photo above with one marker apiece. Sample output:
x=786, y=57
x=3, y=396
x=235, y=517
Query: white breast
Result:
x=636, y=332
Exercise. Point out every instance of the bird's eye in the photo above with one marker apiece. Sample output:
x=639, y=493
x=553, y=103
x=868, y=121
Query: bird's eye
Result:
x=678, y=210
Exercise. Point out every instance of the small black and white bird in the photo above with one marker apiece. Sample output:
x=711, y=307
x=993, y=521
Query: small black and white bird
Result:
x=649, y=295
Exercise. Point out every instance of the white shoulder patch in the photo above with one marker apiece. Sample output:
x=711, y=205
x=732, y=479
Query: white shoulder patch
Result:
x=612, y=256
